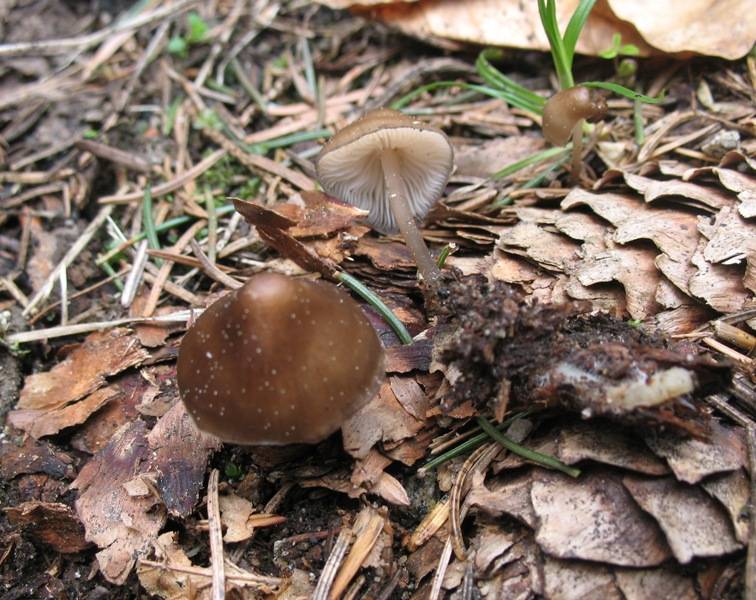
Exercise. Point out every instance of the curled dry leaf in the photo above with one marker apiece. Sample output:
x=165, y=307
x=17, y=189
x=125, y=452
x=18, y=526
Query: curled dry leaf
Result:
x=41, y=423
x=605, y=524
x=124, y=520
x=123, y=526
x=683, y=27
x=694, y=524
x=101, y=355
x=382, y=419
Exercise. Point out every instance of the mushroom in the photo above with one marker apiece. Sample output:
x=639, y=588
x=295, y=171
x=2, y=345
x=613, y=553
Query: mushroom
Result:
x=279, y=361
x=563, y=116
x=396, y=168
x=566, y=108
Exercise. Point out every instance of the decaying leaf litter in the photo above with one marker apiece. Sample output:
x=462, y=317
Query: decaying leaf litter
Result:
x=107, y=484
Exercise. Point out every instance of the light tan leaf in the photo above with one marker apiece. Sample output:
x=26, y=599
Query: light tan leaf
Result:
x=382, y=419
x=693, y=523
x=633, y=267
x=574, y=580
x=551, y=251
x=604, y=525
x=705, y=197
x=652, y=584
x=691, y=459
x=733, y=492
x=726, y=29
x=498, y=23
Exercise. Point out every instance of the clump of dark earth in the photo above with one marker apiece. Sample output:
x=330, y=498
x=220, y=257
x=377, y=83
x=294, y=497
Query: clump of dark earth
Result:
x=511, y=354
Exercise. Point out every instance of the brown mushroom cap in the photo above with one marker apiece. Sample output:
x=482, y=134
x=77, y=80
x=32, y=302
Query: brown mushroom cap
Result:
x=279, y=361
x=565, y=108
x=349, y=166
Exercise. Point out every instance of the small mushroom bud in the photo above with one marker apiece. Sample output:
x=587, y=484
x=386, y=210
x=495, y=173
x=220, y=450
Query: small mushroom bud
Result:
x=564, y=110
x=279, y=361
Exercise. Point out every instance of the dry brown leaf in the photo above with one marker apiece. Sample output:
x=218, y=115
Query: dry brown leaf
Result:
x=497, y=23
x=721, y=286
x=709, y=198
x=693, y=523
x=551, y=251
x=124, y=520
x=41, y=423
x=235, y=514
x=167, y=583
x=608, y=444
x=573, y=580
x=652, y=584
x=135, y=389
x=123, y=526
x=490, y=544
x=692, y=459
x=733, y=492
x=731, y=240
x=726, y=28
x=318, y=215
x=178, y=456
x=101, y=355
x=633, y=267
x=604, y=525
x=33, y=456
x=510, y=496
x=382, y=419
x=410, y=395
x=51, y=523
x=409, y=357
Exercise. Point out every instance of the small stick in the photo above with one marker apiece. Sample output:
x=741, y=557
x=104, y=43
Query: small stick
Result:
x=69, y=257
x=211, y=270
x=443, y=563
x=216, y=537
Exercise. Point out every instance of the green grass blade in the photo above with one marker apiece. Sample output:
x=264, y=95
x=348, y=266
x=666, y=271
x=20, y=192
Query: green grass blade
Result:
x=574, y=27
x=371, y=298
x=148, y=221
x=623, y=91
x=544, y=460
x=533, y=159
x=508, y=97
x=498, y=80
x=547, y=11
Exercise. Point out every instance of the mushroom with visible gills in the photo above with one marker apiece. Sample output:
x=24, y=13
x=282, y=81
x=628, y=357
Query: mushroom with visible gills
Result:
x=279, y=361
x=396, y=168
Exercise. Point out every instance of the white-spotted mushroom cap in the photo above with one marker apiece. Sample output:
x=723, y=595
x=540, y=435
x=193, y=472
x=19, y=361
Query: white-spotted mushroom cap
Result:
x=279, y=361
x=349, y=165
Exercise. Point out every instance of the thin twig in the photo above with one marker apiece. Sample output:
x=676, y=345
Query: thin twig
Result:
x=61, y=46
x=216, y=537
x=73, y=252
x=212, y=270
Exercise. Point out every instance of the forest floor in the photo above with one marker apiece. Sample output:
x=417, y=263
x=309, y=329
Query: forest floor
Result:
x=123, y=141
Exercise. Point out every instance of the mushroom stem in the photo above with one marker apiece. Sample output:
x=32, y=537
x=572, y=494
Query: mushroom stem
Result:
x=397, y=197
x=577, y=150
